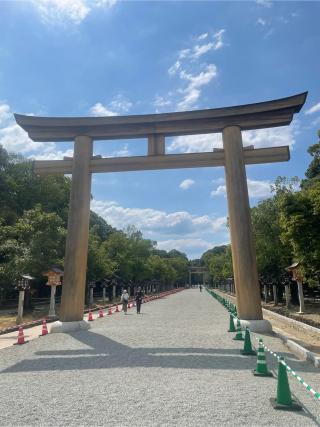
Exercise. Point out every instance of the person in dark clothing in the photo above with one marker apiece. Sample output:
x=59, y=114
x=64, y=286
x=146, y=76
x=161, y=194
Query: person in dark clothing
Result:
x=200, y=287
x=139, y=297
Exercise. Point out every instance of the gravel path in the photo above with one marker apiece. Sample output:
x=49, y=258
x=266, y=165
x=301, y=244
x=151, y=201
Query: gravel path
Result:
x=174, y=365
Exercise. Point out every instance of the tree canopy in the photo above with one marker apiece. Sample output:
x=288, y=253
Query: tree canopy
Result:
x=33, y=222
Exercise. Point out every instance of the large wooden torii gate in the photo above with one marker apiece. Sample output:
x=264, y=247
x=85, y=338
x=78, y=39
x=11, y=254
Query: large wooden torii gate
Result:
x=155, y=127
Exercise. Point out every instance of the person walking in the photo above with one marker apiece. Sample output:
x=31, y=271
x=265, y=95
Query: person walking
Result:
x=200, y=287
x=139, y=297
x=124, y=300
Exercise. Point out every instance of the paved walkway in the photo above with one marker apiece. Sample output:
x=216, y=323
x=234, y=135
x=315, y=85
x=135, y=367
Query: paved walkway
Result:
x=174, y=365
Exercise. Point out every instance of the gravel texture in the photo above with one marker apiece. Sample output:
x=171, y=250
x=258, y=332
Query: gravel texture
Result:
x=173, y=365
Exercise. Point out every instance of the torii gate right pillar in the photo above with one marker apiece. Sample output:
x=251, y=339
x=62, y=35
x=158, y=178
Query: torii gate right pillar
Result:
x=242, y=244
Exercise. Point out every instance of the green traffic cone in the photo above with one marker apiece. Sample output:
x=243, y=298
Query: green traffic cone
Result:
x=231, y=325
x=262, y=368
x=284, y=400
x=238, y=336
x=247, y=347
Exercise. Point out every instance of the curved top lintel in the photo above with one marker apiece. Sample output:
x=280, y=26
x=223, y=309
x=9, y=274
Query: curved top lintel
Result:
x=263, y=114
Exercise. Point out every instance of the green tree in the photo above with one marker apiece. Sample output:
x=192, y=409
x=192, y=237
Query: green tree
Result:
x=34, y=243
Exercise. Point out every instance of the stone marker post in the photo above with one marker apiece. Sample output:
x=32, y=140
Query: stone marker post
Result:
x=52, y=307
x=19, y=318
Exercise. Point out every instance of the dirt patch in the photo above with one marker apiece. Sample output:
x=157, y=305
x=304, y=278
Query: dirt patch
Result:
x=7, y=320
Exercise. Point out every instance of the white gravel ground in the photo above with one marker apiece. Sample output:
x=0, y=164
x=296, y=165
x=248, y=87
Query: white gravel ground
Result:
x=173, y=365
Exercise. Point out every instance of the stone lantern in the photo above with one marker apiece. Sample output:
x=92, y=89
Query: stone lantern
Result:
x=22, y=285
x=297, y=276
x=54, y=275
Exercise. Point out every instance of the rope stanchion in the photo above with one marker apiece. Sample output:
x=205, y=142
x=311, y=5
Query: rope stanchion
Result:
x=233, y=310
x=315, y=394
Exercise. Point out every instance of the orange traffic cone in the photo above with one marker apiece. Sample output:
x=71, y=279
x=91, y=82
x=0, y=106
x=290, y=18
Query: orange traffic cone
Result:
x=117, y=309
x=109, y=311
x=44, y=328
x=101, y=312
x=90, y=317
x=21, y=339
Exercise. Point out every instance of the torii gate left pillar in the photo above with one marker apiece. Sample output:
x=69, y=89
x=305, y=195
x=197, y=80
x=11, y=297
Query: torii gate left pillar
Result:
x=78, y=233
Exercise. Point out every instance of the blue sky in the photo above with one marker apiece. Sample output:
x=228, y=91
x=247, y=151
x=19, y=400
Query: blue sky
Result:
x=112, y=57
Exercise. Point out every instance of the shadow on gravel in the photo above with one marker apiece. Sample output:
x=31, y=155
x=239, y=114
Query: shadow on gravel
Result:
x=106, y=353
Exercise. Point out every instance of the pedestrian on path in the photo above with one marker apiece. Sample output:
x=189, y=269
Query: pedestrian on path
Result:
x=139, y=297
x=125, y=300
x=200, y=288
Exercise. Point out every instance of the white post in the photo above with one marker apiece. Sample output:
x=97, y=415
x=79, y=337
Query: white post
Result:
x=275, y=294
x=104, y=295
x=287, y=292
x=19, y=319
x=265, y=287
x=52, y=308
x=91, y=297
x=301, y=297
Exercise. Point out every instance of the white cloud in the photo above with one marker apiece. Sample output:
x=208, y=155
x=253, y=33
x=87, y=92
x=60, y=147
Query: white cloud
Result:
x=190, y=246
x=54, y=155
x=219, y=191
x=218, y=42
x=271, y=137
x=154, y=222
x=266, y=3
x=187, y=183
x=259, y=189
x=314, y=109
x=260, y=138
x=118, y=105
x=184, y=53
x=195, y=82
x=121, y=104
x=202, y=36
x=123, y=152
x=160, y=101
x=200, y=50
x=262, y=22
x=174, y=68
x=195, y=143
x=100, y=110
x=14, y=139
x=68, y=11
x=193, y=75
x=5, y=113
x=256, y=189
x=201, y=79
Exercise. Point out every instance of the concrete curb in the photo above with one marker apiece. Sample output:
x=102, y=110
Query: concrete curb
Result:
x=298, y=349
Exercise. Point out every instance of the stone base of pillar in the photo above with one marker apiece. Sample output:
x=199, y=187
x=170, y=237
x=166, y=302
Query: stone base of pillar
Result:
x=256, y=325
x=52, y=316
x=62, y=327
